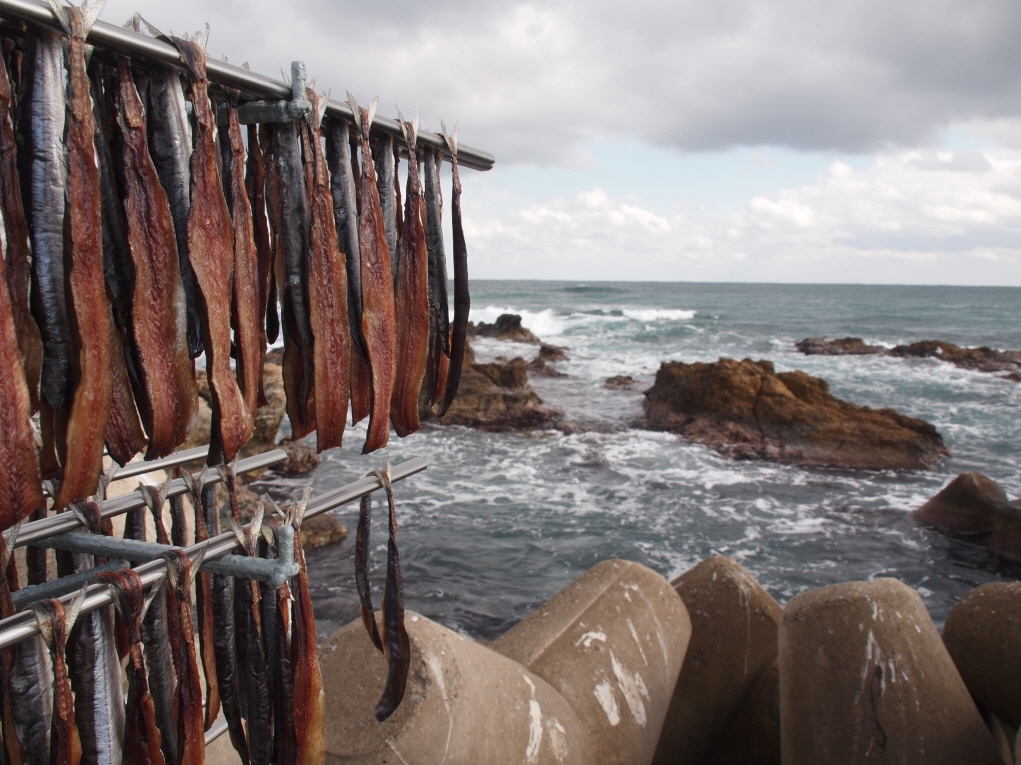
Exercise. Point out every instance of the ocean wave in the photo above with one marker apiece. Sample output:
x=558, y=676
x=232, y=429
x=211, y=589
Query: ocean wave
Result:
x=543, y=323
x=658, y=314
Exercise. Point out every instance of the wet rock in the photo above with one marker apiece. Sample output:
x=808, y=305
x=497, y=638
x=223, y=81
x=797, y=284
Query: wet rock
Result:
x=507, y=327
x=301, y=458
x=269, y=417
x=983, y=635
x=620, y=382
x=464, y=703
x=612, y=643
x=540, y=365
x=746, y=410
x=1005, y=542
x=754, y=735
x=495, y=397
x=845, y=346
x=733, y=643
x=322, y=530
x=968, y=503
x=983, y=359
x=864, y=677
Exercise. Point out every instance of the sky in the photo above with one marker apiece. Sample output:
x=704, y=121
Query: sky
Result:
x=855, y=141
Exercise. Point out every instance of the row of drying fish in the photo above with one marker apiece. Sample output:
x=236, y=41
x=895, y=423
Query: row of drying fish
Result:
x=138, y=235
x=253, y=648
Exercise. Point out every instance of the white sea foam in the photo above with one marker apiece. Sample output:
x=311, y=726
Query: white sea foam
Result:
x=658, y=314
x=544, y=324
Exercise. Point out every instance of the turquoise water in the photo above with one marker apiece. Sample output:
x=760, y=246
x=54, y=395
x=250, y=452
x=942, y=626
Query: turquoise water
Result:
x=500, y=522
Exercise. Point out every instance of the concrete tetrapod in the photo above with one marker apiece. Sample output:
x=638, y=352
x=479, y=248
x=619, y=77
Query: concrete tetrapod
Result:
x=864, y=678
x=733, y=642
x=612, y=642
x=753, y=738
x=983, y=635
x=464, y=705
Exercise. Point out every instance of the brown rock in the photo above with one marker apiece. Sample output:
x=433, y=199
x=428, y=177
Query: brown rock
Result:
x=540, y=365
x=202, y=431
x=322, y=530
x=1006, y=540
x=864, y=677
x=507, y=327
x=301, y=458
x=620, y=382
x=968, y=503
x=845, y=346
x=512, y=374
x=733, y=643
x=983, y=359
x=983, y=635
x=269, y=417
x=753, y=738
x=746, y=410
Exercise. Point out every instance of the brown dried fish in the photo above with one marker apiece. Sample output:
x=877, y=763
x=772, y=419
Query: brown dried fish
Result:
x=462, y=298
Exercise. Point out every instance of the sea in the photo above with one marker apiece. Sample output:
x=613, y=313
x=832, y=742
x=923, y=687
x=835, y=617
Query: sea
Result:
x=499, y=522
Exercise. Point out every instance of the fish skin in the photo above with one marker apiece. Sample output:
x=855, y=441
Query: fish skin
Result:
x=20, y=486
x=65, y=743
x=210, y=250
x=17, y=250
x=285, y=744
x=267, y=145
x=141, y=734
x=362, y=570
x=383, y=157
x=378, y=320
x=44, y=183
x=31, y=697
x=99, y=695
x=437, y=257
x=158, y=305
x=247, y=309
x=462, y=297
x=190, y=718
x=93, y=395
x=255, y=185
x=170, y=143
x=12, y=750
x=411, y=303
x=396, y=646
x=327, y=296
x=309, y=699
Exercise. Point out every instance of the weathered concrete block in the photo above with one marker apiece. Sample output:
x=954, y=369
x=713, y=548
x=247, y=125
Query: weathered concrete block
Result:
x=968, y=503
x=983, y=636
x=753, y=738
x=464, y=705
x=864, y=677
x=733, y=642
x=1006, y=540
x=612, y=643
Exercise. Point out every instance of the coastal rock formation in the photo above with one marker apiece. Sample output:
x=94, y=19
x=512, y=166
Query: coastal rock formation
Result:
x=495, y=397
x=733, y=643
x=746, y=410
x=969, y=503
x=507, y=327
x=983, y=359
x=865, y=677
x=620, y=382
x=983, y=636
x=540, y=365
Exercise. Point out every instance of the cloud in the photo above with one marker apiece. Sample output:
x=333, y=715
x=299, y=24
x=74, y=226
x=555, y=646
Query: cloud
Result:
x=534, y=82
x=957, y=212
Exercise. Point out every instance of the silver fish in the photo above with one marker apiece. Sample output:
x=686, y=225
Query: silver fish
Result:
x=437, y=257
x=31, y=699
x=345, y=214
x=383, y=156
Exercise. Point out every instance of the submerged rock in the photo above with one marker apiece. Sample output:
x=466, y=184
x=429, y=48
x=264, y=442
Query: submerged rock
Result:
x=982, y=359
x=746, y=410
x=968, y=503
x=845, y=346
x=620, y=382
x=507, y=327
x=1005, y=542
x=540, y=365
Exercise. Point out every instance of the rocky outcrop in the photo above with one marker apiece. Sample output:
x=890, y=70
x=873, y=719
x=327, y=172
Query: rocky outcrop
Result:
x=301, y=458
x=540, y=365
x=983, y=359
x=507, y=327
x=495, y=396
x=620, y=382
x=969, y=503
x=746, y=410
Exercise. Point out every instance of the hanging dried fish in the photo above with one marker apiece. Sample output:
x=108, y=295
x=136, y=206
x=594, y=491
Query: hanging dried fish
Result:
x=158, y=309
x=292, y=256
x=255, y=184
x=439, y=338
x=8, y=584
x=31, y=699
x=93, y=395
x=267, y=145
x=44, y=184
x=411, y=299
x=386, y=180
x=247, y=309
x=141, y=734
x=396, y=647
x=20, y=488
x=124, y=434
x=462, y=300
x=327, y=293
x=345, y=214
x=190, y=723
x=55, y=625
x=309, y=700
x=210, y=249
x=362, y=570
x=377, y=291
x=16, y=246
